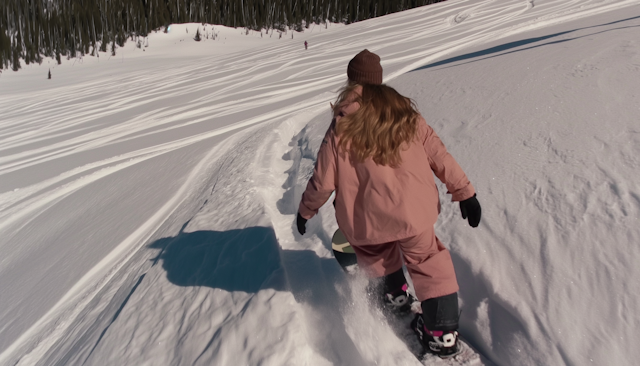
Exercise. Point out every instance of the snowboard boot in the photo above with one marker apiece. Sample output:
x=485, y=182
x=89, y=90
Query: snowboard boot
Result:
x=442, y=343
x=391, y=292
x=436, y=327
x=398, y=301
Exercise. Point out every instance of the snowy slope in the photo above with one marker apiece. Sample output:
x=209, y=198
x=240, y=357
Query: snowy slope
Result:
x=147, y=201
x=552, y=143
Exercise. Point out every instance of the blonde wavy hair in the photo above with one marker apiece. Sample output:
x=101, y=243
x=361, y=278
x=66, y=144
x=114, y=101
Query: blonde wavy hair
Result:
x=386, y=123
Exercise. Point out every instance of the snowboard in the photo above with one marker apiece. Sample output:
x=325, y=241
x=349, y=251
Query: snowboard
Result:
x=400, y=324
x=344, y=253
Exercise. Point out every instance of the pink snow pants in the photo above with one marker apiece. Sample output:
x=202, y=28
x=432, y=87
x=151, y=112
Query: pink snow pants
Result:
x=428, y=263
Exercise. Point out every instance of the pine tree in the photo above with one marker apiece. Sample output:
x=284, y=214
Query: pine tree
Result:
x=30, y=29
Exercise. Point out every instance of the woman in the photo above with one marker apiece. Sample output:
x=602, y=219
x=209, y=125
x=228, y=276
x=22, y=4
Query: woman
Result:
x=378, y=156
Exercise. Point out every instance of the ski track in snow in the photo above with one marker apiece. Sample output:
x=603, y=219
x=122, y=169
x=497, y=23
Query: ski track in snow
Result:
x=101, y=127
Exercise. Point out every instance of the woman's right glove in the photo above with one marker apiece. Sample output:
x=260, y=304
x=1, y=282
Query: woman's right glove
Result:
x=470, y=208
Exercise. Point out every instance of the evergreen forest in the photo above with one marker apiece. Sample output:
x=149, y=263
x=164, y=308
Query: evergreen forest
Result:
x=33, y=29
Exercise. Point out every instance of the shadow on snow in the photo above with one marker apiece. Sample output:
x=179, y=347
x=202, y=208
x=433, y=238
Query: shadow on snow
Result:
x=516, y=44
x=251, y=260
x=236, y=260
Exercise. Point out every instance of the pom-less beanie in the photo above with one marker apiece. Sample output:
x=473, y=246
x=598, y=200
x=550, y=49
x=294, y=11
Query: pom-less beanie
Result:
x=365, y=68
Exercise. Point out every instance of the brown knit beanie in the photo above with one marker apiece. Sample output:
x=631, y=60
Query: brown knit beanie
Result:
x=365, y=68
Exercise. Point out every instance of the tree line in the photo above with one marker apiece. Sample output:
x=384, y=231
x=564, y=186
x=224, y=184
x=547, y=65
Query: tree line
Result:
x=33, y=29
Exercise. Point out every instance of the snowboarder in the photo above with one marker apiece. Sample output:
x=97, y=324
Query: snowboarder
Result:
x=305, y=45
x=376, y=156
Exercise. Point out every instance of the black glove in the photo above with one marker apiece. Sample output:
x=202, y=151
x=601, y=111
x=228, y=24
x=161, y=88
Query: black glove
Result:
x=301, y=222
x=471, y=208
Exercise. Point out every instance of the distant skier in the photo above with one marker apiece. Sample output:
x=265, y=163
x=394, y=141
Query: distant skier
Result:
x=376, y=156
x=305, y=45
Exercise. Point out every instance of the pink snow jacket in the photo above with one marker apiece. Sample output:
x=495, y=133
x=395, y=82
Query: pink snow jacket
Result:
x=378, y=204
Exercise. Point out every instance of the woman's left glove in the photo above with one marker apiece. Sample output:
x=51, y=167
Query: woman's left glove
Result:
x=470, y=208
x=301, y=222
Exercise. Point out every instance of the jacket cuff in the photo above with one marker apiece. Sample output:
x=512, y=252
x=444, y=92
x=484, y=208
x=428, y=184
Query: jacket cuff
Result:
x=305, y=212
x=463, y=194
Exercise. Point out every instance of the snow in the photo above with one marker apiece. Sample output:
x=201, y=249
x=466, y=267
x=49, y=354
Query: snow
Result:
x=147, y=199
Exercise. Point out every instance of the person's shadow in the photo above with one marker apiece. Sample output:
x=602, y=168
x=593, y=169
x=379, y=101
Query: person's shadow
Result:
x=251, y=260
x=245, y=260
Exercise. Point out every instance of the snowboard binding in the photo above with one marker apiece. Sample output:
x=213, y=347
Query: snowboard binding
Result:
x=443, y=344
